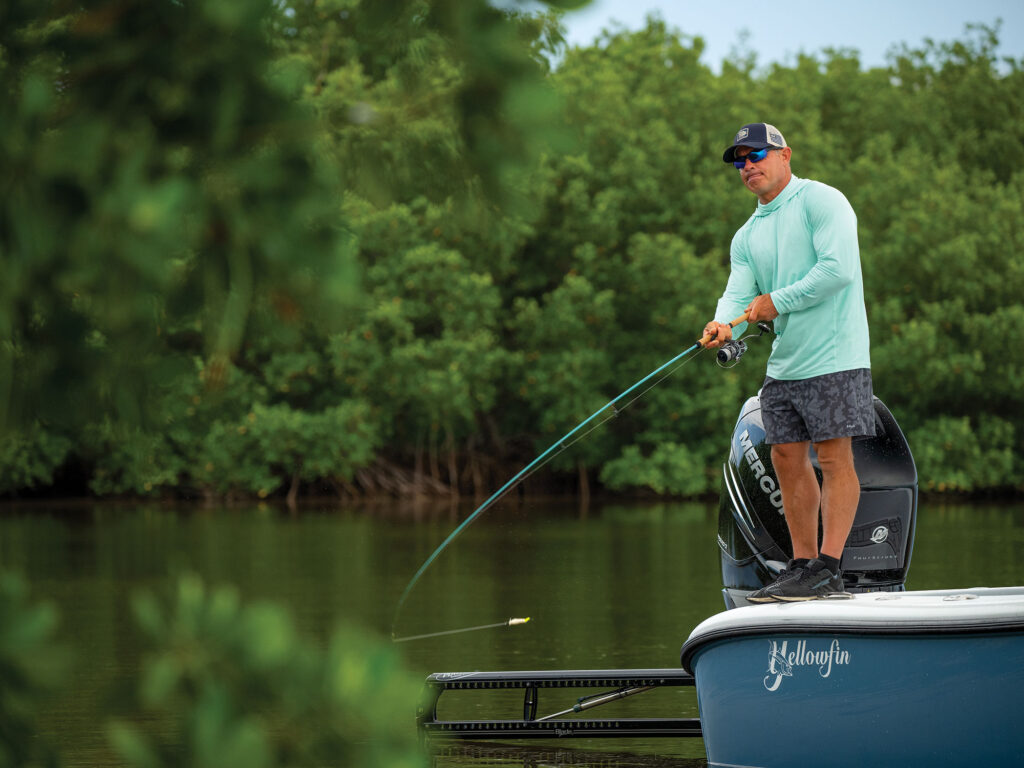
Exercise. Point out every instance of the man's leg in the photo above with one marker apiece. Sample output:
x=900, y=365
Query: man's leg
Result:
x=801, y=496
x=840, y=493
x=800, y=500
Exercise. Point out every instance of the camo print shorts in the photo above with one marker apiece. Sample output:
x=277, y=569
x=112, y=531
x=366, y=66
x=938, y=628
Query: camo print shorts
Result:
x=820, y=408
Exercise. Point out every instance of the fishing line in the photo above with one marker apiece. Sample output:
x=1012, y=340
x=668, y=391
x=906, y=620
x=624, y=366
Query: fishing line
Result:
x=509, y=623
x=553, y=451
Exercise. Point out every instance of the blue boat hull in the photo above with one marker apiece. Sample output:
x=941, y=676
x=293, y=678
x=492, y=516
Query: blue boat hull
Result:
x=784, y=700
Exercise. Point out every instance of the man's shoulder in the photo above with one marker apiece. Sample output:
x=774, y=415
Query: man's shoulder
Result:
x=814, y=192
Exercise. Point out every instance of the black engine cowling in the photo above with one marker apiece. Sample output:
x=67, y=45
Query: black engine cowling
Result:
x=752, y=532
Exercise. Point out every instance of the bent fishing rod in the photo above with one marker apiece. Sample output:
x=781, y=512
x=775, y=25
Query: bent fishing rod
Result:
x=559, y=445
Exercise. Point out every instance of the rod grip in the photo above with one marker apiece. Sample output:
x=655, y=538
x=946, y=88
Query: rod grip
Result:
x=707, y=337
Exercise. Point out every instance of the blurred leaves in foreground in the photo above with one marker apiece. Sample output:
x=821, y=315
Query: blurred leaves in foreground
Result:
x=158, y=185
x=224, y=684
x=233, y=685
x=32, y=668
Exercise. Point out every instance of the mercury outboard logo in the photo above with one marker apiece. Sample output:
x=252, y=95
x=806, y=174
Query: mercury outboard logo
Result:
x=880, y=534
x=764, y=480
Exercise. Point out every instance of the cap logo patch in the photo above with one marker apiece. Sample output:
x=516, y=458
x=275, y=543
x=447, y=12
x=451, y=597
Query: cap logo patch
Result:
x=774, y=137
x=744, y=132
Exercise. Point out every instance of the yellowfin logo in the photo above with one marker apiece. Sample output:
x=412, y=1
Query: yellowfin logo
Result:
x=782, y=662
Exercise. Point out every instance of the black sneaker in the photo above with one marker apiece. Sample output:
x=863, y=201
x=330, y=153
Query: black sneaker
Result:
x=763, y=595
x=815, y=582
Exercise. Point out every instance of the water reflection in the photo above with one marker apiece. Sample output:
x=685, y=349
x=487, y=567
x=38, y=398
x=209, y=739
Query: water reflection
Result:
x=477, y=754
x=620, y=587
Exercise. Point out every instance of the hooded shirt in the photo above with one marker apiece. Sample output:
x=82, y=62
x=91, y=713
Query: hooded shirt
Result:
x=802, y=249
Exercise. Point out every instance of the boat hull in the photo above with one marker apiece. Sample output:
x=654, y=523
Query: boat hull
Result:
x=913, y=693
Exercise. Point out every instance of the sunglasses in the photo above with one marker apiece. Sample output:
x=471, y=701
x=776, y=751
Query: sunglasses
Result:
x=755, y=156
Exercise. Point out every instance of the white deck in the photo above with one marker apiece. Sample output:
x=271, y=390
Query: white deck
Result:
x=948, y=610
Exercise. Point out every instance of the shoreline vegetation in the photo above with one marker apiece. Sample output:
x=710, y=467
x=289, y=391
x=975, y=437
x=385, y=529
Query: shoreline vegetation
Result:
x=275, y=251
x=422, y=506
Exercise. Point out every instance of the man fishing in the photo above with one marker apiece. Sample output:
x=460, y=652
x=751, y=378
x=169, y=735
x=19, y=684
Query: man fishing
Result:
x=796, y=261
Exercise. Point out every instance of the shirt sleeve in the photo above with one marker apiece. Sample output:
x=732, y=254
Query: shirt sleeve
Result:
x=833, y=228
x=742, y=286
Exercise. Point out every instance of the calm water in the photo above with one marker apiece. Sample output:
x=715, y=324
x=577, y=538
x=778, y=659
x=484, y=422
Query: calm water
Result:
x=620, y=586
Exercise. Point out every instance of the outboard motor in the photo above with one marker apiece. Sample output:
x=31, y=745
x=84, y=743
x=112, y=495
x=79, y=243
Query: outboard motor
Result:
x=752, y=533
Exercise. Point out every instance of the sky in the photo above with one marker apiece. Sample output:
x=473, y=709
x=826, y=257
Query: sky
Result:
x=781, y=29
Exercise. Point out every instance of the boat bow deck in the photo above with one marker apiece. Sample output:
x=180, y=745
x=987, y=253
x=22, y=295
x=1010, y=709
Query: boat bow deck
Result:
x=956, y=611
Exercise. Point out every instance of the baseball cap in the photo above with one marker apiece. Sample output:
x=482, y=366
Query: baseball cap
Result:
x=755, y=136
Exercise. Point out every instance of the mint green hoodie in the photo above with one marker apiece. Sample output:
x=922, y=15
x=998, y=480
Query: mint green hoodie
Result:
x=802, y=249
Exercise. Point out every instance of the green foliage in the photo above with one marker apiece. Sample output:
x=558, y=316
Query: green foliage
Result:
x=31, y=668
x=233, y=684
x=428, y=340
x=29, y=457
x=129, y=460
x=256, y=246
x=155, y=174
x=952, y=454
x=909, y=146
x=196, y=174
x=276, y=442
x=565, y=383
x=224, y=683
x=671, y=468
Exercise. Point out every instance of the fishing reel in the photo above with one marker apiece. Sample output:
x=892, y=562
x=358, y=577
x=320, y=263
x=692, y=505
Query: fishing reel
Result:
x=731, y=351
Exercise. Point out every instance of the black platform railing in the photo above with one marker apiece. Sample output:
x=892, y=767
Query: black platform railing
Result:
x=561, y=724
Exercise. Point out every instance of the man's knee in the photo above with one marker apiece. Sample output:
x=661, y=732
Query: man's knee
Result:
x=835, y=455
x=790, y=455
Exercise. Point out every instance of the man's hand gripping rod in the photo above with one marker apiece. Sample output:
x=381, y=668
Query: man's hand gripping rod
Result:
x=707, y=337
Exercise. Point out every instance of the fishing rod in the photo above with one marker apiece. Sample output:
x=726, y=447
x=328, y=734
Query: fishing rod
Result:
x=557, y=447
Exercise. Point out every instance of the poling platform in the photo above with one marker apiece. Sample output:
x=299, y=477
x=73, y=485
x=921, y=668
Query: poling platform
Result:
x=560, y=724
